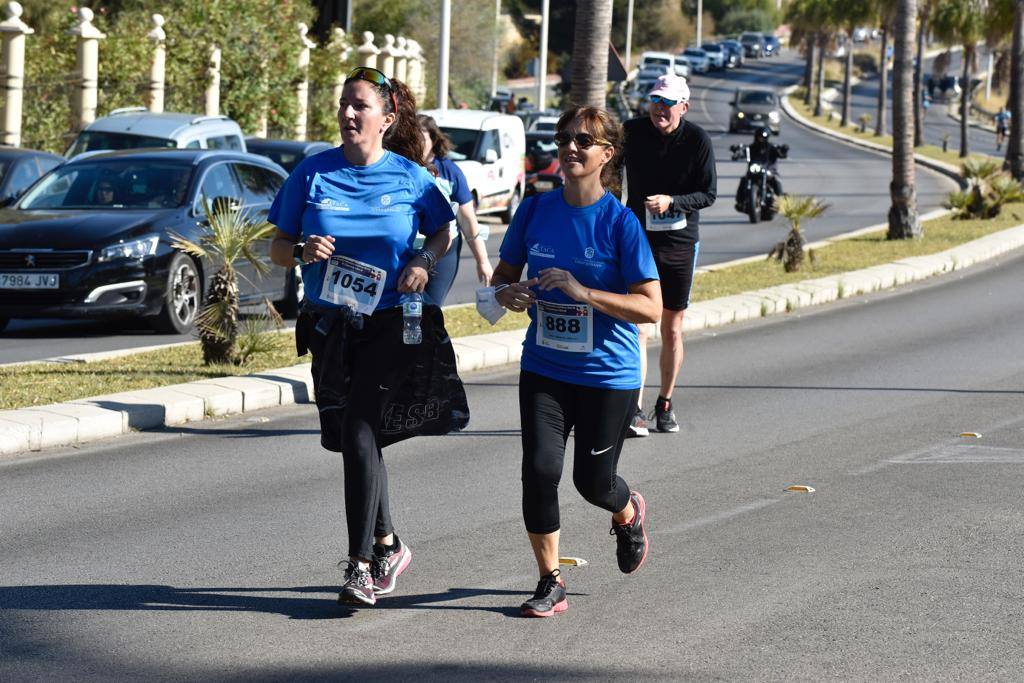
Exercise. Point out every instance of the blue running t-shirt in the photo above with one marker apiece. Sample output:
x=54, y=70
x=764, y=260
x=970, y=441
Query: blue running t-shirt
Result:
x=372, y=212
x=605, y=248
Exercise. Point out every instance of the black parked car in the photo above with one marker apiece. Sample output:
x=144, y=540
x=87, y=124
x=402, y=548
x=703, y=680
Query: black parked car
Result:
x=19, y=168
x=286, y=153
x=92, y=238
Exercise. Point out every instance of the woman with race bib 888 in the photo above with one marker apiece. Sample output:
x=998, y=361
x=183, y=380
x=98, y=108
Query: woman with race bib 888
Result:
x=590, y=277
x=350, y=216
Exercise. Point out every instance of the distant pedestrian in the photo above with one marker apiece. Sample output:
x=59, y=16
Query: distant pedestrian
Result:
x=350, y=215
x=590, y=278
x=670, y=177
x=1002, y=119
x=464, y=228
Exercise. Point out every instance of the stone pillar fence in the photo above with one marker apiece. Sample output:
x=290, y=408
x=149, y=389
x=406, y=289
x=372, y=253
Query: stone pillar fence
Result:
x=400, y=58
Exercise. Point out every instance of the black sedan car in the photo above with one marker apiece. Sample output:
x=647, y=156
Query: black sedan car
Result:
x=754, y=108
x=285, y=153
x=93, y=237
x=19, y=168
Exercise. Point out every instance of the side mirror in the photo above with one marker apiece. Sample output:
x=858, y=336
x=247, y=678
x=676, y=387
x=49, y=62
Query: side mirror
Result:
x=490, y=156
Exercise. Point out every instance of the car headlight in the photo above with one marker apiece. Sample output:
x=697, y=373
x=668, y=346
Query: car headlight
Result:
x=134, y=249
x=773, y=116
x=755, y=168
x=740, y=115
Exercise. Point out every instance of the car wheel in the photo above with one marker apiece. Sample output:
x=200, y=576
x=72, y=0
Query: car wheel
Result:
x=294, y=293
x=513, y=205
x=181, y=298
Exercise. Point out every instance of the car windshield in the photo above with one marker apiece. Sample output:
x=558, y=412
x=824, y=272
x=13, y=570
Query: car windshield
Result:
x=712, y=48
x=540, y=144
x=463, y=142
x=750, y=38
x=90, y=140
x=757, y=98
x=694, y=53
x=650, y=61
x=113, y=184
x=288, y=160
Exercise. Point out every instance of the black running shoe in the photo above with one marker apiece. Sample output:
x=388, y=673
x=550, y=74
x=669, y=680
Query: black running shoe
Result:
x=638, y=425
x=549, y=598
x=358, y=587
x=631, y=544
x=664, y=417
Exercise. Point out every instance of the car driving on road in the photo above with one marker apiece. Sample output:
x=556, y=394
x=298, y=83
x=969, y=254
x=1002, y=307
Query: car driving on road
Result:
x=716, y=54
x=93, y=238
x=20, y=167
x=753, y=44
x=697, y=58
x=754, y=108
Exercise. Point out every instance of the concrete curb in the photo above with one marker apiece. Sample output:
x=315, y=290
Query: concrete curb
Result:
x=99, y=417
x=933, y=164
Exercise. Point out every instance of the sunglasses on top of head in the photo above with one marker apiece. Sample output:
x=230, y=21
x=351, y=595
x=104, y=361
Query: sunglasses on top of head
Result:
x=658, y=99
x=371, y=75
x=582, y=140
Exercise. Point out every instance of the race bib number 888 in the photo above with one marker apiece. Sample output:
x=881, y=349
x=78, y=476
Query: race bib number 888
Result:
x=566, y=327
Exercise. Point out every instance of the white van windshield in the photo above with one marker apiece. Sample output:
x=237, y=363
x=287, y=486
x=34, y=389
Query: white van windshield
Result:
x=89, y=140
x=463, y=142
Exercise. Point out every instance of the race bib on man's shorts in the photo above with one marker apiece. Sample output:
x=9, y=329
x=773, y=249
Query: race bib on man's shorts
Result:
x=348, y=282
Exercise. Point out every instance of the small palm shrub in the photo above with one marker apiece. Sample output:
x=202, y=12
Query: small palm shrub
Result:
x=231, y=236
x=795, y=209
x=989, y=188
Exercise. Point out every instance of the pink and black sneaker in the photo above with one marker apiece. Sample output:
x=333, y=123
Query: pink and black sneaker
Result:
x=549, y=598
x=631, y=544
x=388, y=562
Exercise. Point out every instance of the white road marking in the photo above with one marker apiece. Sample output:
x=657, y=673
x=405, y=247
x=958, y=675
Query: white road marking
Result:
x=690, y=525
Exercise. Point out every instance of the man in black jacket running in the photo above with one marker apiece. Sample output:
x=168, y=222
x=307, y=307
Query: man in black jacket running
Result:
x=670, y=176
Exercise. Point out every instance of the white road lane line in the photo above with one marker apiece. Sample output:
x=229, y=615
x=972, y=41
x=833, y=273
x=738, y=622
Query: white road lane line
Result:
x=690, y=525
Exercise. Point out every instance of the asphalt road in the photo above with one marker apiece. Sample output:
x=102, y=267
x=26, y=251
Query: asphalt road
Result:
x=852, y=180
x=209, y=552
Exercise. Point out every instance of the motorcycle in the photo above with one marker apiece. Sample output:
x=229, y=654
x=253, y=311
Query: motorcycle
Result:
x=756, y=193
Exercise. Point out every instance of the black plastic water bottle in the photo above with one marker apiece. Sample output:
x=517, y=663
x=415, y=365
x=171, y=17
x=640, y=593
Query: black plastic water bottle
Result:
x=412, y=314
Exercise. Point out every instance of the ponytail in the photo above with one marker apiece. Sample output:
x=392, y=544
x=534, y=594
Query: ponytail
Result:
x=404, y=136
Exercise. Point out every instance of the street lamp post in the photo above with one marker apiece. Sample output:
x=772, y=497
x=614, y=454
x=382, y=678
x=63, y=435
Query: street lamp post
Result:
x=700, y=21
x=542, y=63
x=442, y=58
x=629, y=33
x=497, y=44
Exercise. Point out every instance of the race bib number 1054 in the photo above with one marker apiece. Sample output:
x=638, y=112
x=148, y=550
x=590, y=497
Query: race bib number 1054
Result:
x=348, y=282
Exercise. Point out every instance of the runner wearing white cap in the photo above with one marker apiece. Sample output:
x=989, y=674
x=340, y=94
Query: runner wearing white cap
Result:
x=670, y=176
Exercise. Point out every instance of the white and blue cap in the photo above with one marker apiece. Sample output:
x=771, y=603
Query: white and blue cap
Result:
x=671, y=87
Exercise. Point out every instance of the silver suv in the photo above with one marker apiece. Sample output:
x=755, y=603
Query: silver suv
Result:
x=137, y=127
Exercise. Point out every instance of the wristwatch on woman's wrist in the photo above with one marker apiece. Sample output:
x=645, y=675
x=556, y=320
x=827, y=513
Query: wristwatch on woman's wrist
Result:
x=297, y=249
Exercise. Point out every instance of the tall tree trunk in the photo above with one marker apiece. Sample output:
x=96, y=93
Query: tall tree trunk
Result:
x=847, y=76
x=809, y=68
x=883, y=81
x=922, y=34
x=1015, y=145
x=590, y=52
x=903, y=220
x=965, y=98
x=822, y=45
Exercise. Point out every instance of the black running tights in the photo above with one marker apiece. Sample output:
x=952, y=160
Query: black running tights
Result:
x=549, y=410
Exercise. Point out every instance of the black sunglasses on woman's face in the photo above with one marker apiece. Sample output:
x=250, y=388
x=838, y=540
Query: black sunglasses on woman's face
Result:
x=582, y=140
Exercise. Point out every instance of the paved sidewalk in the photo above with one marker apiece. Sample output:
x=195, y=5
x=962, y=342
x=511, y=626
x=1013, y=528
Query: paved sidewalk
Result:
x=100, y=417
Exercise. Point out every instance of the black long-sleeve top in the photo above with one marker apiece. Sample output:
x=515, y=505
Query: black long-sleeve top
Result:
x=681, y=165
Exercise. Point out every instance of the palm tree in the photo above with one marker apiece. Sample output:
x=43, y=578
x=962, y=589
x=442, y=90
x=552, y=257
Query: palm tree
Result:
x=903, y=220
x=886, y=13
x=801, y=16
x=1014, y=145
x=795, y=209
x=850, y=15
x=231, y=236
x=590, y=52
x=963, y=22
x=925, y=8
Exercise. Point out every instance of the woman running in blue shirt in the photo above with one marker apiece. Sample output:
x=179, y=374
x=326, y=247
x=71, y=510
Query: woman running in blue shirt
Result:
x=350, y=215
x=590, y=278
x=453, y=182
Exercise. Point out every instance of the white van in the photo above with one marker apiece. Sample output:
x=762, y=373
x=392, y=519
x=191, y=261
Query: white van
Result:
x=680, y=67
x=136, y=127
x=490, y=148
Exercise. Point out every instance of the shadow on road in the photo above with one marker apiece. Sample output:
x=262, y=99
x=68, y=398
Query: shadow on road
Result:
x=297, y=602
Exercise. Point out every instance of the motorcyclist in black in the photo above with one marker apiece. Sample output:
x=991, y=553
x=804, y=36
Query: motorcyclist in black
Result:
x=763, y=152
